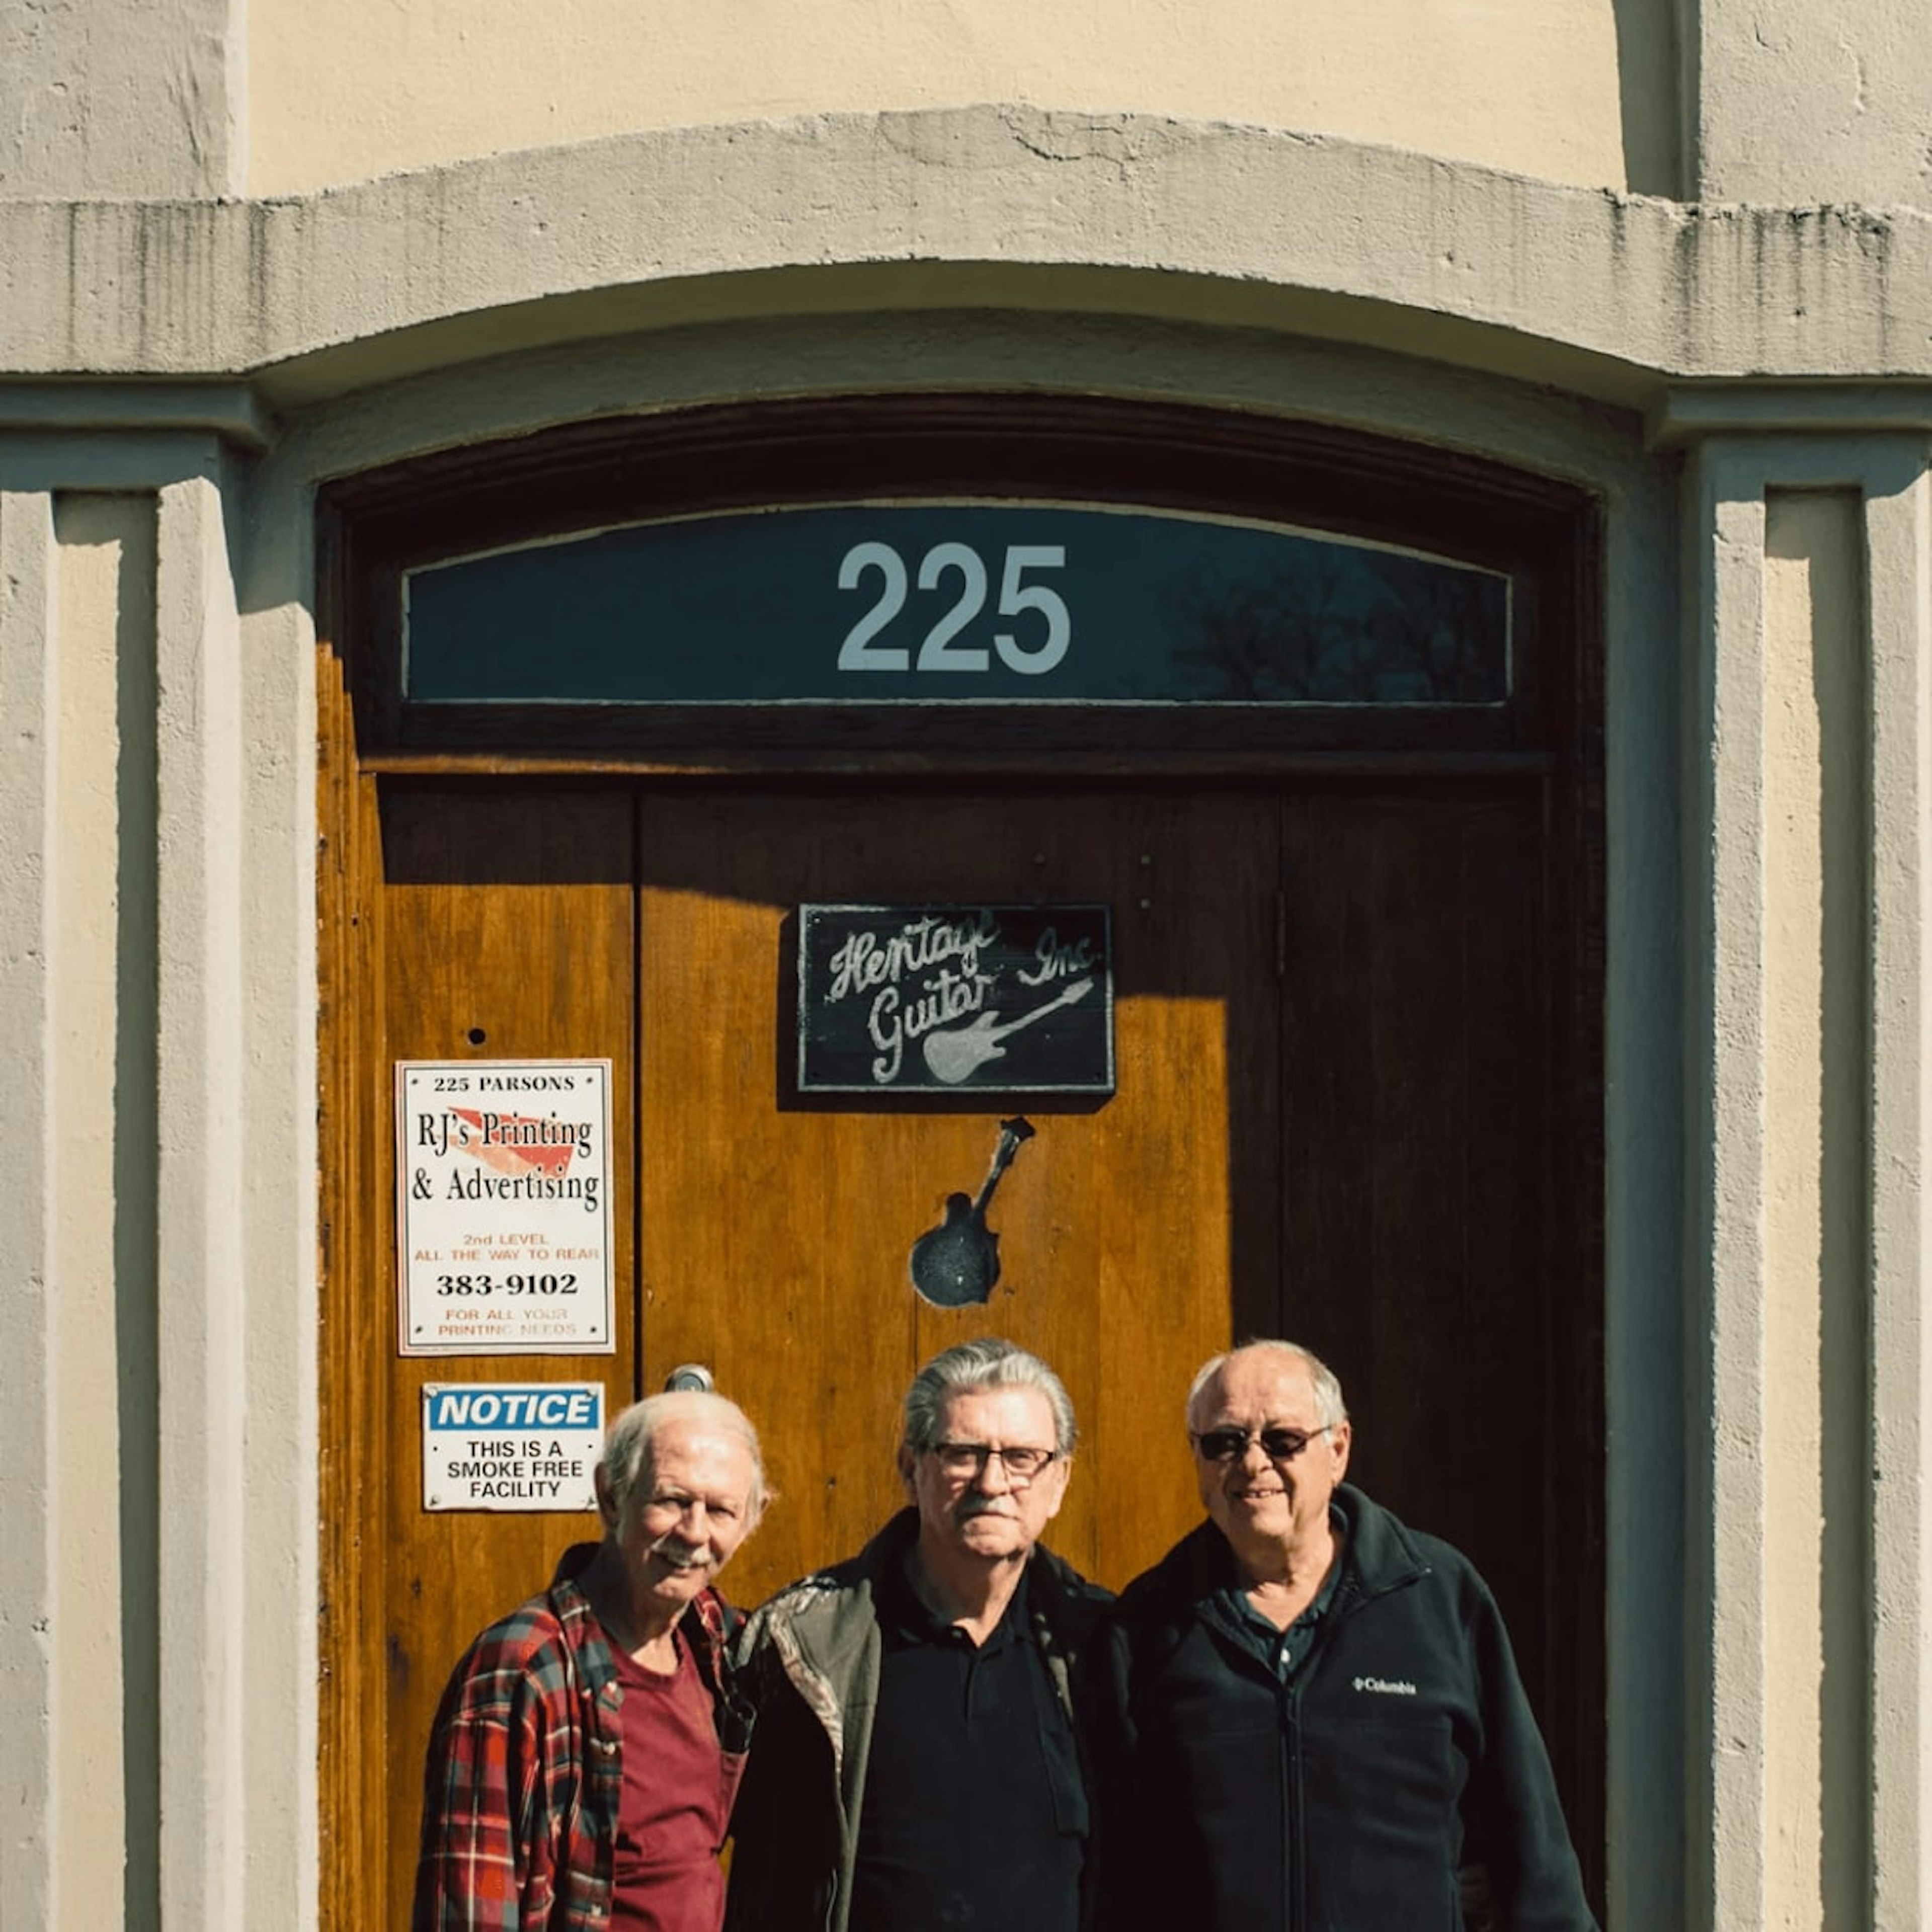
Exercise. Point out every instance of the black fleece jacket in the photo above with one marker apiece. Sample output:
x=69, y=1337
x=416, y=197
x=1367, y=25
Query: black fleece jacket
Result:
x=1352, y=1798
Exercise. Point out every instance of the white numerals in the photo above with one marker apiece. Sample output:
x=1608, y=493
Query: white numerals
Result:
x=939, y=653
x=944, y=650
x=1015, y=597
x=858, y=652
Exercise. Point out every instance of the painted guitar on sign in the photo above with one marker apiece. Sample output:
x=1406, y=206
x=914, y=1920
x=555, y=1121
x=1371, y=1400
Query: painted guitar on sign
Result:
x=958, y=1053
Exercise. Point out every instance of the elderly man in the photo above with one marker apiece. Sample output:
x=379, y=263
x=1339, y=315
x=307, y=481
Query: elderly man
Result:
x=1320, y=1725
x=915, y=1765
x=582, y=1766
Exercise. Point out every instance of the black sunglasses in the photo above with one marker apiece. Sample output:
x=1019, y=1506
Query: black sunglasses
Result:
x=1278, y=1445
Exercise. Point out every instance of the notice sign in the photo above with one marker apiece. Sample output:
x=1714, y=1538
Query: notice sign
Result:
x=940, y=999
x=511, y=1445
x=503, y=1207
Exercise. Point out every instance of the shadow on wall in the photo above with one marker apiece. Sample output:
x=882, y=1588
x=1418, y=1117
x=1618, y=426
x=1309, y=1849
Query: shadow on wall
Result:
x=1652, y=78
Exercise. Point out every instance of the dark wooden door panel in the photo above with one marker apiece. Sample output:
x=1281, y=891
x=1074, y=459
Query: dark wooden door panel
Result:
x=1418, y=1204
x=1415, y=1184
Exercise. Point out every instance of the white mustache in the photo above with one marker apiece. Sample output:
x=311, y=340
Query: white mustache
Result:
x=678, y=1555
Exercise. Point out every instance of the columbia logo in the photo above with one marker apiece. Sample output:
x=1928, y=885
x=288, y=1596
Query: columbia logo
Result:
x=1389, y=1686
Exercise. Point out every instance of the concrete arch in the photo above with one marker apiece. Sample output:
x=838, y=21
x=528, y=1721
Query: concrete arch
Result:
x=1012, y=206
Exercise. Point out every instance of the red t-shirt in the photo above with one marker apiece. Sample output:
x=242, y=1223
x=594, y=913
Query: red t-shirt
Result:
x=676, y=1803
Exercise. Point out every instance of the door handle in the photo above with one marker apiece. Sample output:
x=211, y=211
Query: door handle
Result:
x=690, y=1378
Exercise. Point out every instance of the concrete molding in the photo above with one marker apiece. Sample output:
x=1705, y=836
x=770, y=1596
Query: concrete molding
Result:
x=1129, y=213
x=980, y=349
x=230, y=410
x=1685, y=413
x=56, y=459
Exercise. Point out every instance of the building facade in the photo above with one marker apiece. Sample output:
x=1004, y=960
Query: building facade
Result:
x=1549, y=1051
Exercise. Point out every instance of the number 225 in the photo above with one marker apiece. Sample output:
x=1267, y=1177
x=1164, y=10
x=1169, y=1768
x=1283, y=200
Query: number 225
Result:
x=939, y=653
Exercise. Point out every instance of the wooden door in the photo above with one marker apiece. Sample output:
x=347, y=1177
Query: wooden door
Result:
x=1340, y=1113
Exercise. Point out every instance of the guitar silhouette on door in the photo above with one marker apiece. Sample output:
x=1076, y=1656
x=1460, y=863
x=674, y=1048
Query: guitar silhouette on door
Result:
x=957, y=1263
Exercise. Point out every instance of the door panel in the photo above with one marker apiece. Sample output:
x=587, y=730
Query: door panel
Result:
x=509, y=931
x=776, y=1233
x=1417, y=1195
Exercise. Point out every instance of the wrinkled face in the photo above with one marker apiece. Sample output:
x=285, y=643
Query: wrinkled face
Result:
x=689, y=1509
x=1254, y=1498
x=987, y=1513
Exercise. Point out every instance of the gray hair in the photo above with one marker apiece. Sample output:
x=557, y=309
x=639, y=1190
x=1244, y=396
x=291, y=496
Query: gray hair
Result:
x=1329, y=1407
x=626, y=1457
x=987, y=1363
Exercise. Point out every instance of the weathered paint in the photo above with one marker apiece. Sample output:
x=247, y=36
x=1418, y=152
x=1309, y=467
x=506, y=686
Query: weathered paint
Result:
x=1010, y=206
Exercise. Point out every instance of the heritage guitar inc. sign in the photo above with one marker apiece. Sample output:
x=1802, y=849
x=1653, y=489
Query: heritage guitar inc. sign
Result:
x=939, y=999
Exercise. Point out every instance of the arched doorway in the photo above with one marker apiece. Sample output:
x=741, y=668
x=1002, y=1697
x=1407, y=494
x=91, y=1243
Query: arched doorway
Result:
x=1353, y=907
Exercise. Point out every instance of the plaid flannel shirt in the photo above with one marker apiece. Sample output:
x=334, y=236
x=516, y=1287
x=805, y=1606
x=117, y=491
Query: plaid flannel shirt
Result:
x=525, y=1770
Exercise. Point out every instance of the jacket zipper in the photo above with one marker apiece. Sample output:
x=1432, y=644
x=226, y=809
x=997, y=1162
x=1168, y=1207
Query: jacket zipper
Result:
x=1292, y=1848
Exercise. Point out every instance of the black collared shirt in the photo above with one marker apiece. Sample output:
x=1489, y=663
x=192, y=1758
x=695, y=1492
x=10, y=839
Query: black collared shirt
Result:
x=1284, y=1651
x=975, y=1815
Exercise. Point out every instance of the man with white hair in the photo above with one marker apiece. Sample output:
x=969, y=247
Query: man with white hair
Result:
x=1317, y=1722
x=582, y=1766
x=915, y=1765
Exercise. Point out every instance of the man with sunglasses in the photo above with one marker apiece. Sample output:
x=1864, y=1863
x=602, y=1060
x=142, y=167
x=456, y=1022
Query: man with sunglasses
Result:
x=1315, y=1721
x=915, y=1765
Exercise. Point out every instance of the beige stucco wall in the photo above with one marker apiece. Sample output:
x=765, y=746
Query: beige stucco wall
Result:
x=1403, y=214
x=366, y=87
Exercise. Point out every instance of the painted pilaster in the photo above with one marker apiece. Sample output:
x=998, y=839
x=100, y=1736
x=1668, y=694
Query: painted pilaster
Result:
x=1646, y=1137
x=1899, y=541
x=281, y=1739
x=1809, y=748
x=29, y=1830
x=100, y=1079
x=149, y=1785
x=201, y=1062
x=1724, y=872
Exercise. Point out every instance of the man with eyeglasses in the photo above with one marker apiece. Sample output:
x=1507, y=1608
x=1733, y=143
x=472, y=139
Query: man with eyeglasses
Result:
x=1316, y=1723
x=914, y=1765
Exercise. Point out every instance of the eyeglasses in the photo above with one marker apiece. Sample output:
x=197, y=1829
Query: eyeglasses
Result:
x=1278, y=1445
x=969, y=1458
